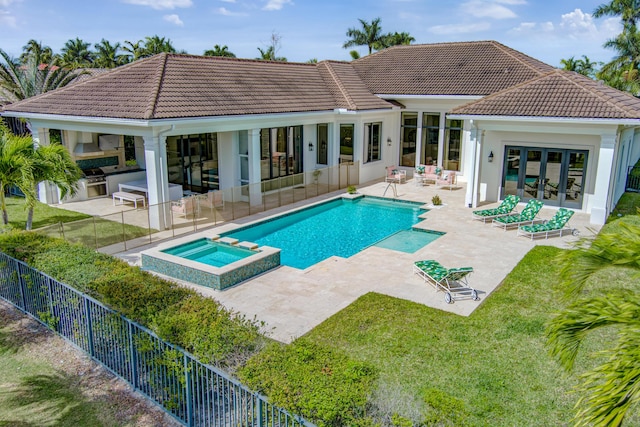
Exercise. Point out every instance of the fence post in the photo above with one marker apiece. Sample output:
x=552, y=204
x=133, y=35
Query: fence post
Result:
x=87, y=312
x=134, y=358
x=124, y=233
x=50, y=296
x=187, y=384
x=95, y=232
x=23, y=299
x=259, y=420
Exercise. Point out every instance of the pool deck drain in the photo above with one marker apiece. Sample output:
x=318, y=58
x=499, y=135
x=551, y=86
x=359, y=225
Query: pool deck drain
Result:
x=292, y=302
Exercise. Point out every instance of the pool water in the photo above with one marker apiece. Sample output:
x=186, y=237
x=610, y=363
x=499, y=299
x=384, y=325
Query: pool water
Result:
x=341, y=227
x=209, y=252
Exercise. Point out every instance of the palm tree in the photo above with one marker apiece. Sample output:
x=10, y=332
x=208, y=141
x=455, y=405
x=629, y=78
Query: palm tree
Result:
x=269, y=54
x=627, y=10
x=394, y=39
x=354, y=54
x=219, y=51
x=134, y=50
x=54, y=164
x=156, y=44
x=34, y=47
x=15, y=167
x=107, y=55
x=370, y=35
x=611, y=388
x=622, y=71
x=21, y=81
x=582, y=66
x=76, y=54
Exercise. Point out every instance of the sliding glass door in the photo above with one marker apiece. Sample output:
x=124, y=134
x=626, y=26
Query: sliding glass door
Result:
x=552, y=175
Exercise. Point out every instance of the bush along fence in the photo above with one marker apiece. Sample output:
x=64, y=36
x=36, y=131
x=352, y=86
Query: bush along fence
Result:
x=193, y=393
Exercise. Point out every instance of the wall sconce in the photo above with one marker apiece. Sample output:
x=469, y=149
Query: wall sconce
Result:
x=490, y=156
x=389, y=141
x=310, y=146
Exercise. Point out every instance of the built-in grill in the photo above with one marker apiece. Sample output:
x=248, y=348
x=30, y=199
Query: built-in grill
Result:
x=96, y=182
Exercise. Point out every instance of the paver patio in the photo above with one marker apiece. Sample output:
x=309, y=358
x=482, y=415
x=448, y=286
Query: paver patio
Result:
x=291, y=302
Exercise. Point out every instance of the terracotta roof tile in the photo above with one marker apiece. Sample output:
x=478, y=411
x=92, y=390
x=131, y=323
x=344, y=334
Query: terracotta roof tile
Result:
x=464, y=68
x=557, y=94
x=178, y=86
x=347, y=88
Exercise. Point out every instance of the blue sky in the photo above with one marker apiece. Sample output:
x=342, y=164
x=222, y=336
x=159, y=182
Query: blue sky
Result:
x=546, y=30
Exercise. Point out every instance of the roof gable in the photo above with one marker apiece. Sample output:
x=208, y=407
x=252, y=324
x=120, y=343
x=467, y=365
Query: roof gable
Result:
x=463, y=68
x=560, y=94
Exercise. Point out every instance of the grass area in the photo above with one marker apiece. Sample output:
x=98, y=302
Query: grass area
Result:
x=627, y=205
x=43, y=215
x=488, y=369
x=77, y=227
x=35, y=392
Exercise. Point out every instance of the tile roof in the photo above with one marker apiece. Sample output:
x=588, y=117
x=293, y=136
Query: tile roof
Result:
x=463, y=68
x=180, y=86
x=558, y=93
x=347, y=88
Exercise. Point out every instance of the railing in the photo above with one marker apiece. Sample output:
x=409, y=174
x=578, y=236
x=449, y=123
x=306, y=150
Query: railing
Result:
x=137, y=227
x=633, y=179
x=193, y=393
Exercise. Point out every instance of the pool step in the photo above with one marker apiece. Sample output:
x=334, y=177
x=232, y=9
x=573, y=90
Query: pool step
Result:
x=228, y=240
x=248, y=245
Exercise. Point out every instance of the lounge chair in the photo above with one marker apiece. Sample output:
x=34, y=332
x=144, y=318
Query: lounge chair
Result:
x=186, y=206
x=556, y=225
x=527, y=216
x=508, y=204
x=446, y=179
x=453, y=281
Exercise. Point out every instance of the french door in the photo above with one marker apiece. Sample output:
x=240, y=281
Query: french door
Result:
x=555, y=176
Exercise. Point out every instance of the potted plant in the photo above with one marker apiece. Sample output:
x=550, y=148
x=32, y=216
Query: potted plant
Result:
x=436, y=202
x=316, y=174
x=351, y=189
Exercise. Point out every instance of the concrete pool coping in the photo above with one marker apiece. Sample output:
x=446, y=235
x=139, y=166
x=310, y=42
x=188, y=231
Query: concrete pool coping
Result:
x=291, y=302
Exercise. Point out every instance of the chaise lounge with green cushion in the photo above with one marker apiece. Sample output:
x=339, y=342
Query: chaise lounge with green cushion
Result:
x=556, y=225
x=453, y=281
x=508, y=204
x=527, y=216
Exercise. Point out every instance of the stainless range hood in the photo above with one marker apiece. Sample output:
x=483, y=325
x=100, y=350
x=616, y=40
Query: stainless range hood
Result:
x=86, y=147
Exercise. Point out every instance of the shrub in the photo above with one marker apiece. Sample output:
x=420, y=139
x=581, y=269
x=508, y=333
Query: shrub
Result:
x=436, y=200
x=316, y=382
x=351, y=189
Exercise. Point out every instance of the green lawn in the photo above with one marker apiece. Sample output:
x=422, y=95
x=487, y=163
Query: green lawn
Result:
x=489, y=369
x=627, y=205
x=78, y=227
x=34, y=392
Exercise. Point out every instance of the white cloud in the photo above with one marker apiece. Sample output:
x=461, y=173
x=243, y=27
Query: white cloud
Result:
x=226, y=12
x=459, y=28
x=490, y=9
x=174, y=19
x=276, y=4
x=6, y=3
x=7, y=19
x=161, y=4
x=576, y=25
x=533, y=27
x=512, y=2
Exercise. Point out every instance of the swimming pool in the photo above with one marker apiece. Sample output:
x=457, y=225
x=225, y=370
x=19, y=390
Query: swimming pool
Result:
x=209, y=252
x=341, y=227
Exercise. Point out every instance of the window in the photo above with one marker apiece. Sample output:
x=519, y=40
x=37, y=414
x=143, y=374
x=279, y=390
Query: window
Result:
x=453, y=141
x=322, y=144
x=129, y=150
x=372, y=142
x=430, y=136
x=408, y=139
x=192, y=160
x=280, y=151
x=346, y=143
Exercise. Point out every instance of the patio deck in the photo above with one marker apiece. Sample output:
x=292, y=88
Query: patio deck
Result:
x=291, y=302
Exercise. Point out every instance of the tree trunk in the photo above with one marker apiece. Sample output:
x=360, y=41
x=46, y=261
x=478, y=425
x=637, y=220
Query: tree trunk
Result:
x=5, y=217
x=29, y=218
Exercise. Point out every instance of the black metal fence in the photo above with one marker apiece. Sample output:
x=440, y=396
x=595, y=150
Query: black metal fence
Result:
x=633, y=179
x=195, y=394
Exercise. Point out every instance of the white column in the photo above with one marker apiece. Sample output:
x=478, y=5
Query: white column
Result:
x=418, y=140
x=47, y=192
x=604, y=173
x=472, y=164
x=255, y=171
x=441, y=141
x=155, y=157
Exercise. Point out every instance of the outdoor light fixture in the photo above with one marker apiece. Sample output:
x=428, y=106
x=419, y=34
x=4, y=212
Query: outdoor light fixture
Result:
x=310, y=146
x=490, y=156
x=389, y=141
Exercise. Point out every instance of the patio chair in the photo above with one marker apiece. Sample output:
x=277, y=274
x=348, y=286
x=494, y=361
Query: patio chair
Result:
x=212, y=199
x=508, y=204
x=395, y=175
x=453, y=281
x=185, y=206
x=446, y=179
x=527, y=216
x=556, y=225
